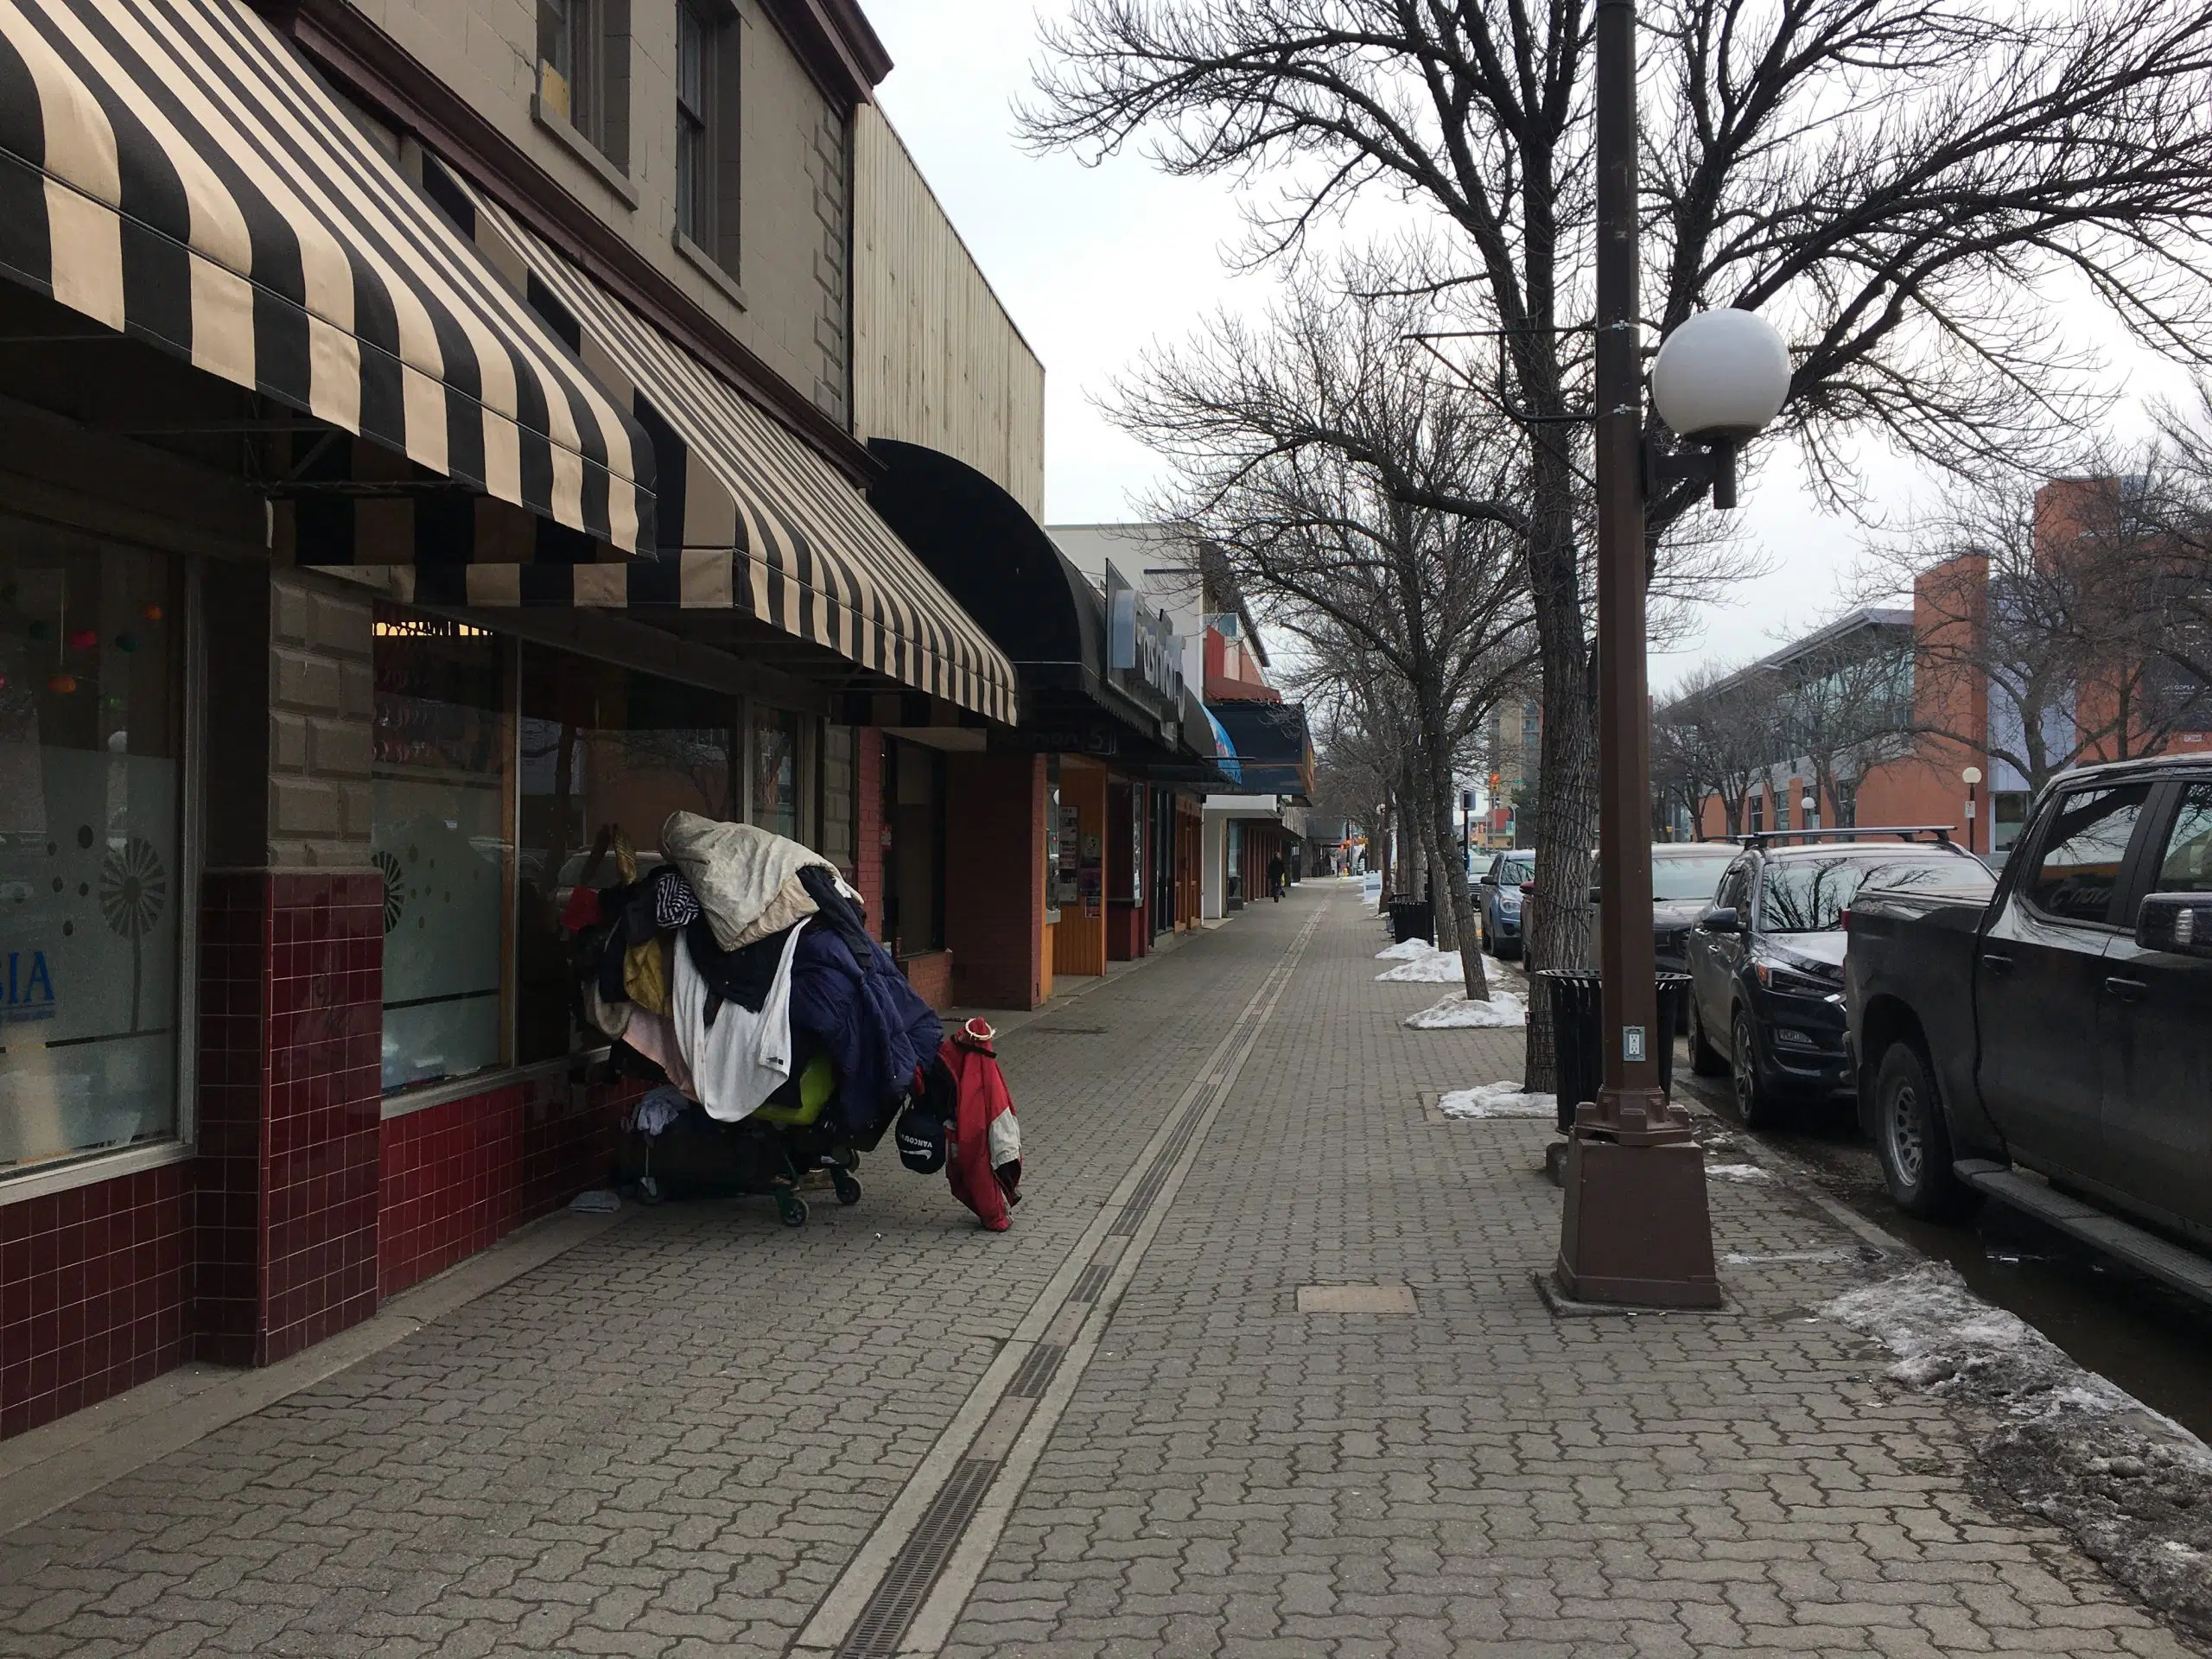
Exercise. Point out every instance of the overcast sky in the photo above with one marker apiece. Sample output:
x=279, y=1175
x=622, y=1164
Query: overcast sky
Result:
x=1097, y=263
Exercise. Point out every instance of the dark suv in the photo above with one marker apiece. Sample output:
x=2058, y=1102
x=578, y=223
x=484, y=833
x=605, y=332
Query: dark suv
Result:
x=1766, y=961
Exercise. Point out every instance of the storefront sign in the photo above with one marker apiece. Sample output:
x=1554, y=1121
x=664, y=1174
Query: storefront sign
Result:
x=29, y=988
x=1144, y=658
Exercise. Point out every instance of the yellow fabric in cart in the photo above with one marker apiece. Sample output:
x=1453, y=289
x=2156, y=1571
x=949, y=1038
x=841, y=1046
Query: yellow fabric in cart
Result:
x=646, y=976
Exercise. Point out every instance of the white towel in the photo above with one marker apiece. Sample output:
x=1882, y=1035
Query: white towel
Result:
x=744, y=1057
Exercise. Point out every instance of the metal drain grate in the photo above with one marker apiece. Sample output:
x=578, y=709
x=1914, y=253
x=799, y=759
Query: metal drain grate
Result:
x=1092, y=1282
x=1065, y=1031
x=906, y=1583
x=1155, y=1177
x=1036, y=1371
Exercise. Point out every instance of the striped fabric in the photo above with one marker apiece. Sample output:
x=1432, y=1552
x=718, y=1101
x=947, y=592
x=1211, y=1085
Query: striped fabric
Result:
x=170, y=170
x=768, y=526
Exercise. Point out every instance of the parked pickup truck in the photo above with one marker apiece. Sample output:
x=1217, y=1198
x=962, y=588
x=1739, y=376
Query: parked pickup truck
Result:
x=2064, y=1026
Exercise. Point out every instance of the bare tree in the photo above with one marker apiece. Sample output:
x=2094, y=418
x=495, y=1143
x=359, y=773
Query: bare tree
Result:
x=2046, y=635
x=1900, y=184
x=1724, y=732
x=1846, y=704
x=1297, y=447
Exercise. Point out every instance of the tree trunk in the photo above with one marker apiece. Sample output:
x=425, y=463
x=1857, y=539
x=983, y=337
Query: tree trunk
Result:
x=1555, y=919
x=1454, y=903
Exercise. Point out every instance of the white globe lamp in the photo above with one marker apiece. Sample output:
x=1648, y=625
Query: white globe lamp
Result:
x=1720, y=377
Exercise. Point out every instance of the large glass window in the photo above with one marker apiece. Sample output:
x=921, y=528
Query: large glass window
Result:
x=776, y=766
x=91, y=844
x=603, y=749
x=441, y=834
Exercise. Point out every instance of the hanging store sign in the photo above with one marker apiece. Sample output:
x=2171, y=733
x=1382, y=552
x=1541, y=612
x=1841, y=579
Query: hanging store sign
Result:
x=1144, y=657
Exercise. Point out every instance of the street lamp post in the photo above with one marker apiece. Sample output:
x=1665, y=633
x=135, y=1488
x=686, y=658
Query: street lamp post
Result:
x=1971, y=777
x=1809, y=809
x=1635, y=1228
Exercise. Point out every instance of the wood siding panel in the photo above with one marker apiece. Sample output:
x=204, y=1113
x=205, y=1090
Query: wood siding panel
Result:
x=936, y=359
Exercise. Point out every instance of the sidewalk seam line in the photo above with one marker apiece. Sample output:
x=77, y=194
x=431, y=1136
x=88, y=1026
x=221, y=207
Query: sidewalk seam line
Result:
x=847, y=1599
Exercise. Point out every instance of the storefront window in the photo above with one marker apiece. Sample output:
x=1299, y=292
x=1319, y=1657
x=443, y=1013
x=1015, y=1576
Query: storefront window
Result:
x=602, y=748
x=443, y=752
x=776, y=770
x=90, y=871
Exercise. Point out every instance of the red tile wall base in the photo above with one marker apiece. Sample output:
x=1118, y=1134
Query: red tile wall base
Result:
x=94, y=1293
x=458, y=1177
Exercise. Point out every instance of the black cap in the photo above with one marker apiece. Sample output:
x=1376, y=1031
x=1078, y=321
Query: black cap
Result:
x=920, y=1136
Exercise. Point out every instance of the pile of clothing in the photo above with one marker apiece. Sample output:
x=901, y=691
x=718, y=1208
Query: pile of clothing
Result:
x=740, y=970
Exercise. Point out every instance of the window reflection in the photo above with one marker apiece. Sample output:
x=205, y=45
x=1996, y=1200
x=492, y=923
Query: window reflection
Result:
x=91, y=879
x=601, y=747
x=439, y=783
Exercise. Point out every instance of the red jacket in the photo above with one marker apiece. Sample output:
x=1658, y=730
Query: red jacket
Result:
x=984, y=1158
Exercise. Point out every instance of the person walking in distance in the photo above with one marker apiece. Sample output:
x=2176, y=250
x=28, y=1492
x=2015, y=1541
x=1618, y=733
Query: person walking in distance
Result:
x=1275, y=878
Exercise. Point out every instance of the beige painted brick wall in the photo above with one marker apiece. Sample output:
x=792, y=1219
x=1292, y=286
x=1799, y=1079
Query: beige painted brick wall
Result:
x=321, y=699
x=486, y=51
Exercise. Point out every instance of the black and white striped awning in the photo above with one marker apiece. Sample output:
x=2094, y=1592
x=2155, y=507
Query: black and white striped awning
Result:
x=761, y=523
x=170, y=170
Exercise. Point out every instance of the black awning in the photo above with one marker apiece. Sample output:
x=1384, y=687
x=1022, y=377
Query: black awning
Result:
x=1273, y=749
x=996, y=561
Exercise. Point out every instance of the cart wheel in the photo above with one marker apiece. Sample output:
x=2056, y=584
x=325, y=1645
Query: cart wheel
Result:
x=790, y=1210
x=649, y=1190
x=848, y=1189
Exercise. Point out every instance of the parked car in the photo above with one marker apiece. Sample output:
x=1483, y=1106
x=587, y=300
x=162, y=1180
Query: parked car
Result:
x=1766, y=959
x=2063, y=1025
x=1684, y=876
x=1498, y=897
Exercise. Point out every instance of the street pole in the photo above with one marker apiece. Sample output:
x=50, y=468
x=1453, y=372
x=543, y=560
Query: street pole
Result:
x=1634, y=1229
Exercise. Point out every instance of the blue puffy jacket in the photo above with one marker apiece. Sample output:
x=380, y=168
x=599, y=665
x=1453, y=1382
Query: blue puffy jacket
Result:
x=849, y=997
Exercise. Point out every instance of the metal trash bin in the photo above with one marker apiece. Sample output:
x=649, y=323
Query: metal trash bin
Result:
x=1412, y=919
x=1578, y=1026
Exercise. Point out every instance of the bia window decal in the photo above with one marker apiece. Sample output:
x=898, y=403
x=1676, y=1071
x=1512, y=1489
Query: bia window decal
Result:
x=30, y=987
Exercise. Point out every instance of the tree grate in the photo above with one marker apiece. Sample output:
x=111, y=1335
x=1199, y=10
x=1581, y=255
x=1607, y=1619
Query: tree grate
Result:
x=906, y=1583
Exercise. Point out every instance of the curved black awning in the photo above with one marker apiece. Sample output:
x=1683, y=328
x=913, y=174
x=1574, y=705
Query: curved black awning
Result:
x=996, y=561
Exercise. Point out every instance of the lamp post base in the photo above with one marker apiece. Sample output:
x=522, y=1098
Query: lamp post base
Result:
x=1636, y=1231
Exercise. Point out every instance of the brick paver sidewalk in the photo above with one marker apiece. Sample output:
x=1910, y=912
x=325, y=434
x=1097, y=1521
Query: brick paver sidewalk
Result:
x=685, y=1437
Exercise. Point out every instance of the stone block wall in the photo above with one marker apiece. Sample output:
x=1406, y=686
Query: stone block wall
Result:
x=829, y=171
x=321, y=704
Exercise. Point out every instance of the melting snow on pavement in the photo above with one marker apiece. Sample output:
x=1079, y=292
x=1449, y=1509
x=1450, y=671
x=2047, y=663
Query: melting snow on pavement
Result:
x=1497, y=1100
x=1504, y=1010
x=1735, y=1173
x=2133, y=1487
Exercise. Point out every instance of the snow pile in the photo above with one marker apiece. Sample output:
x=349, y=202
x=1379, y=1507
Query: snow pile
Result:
x=2132, y=1487
x=1504, y=1011
x=1429, y=967
x=1497, y=1100
x=1408, y=950
x=1735, y=1173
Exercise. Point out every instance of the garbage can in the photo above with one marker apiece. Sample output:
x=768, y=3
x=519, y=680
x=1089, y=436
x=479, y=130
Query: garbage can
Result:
x=1578, y=1026
x=1578, y=1053
x=1412, y=919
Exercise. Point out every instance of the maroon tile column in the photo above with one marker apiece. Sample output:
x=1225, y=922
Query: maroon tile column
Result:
x=290, y=1103
x=868, y=818
x=994, y=879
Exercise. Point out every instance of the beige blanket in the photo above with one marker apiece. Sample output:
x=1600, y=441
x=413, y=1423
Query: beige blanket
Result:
x=747, y=879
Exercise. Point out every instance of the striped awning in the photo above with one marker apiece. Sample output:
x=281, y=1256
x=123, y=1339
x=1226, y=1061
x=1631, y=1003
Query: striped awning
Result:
x=172, y=170
x=762, y=525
